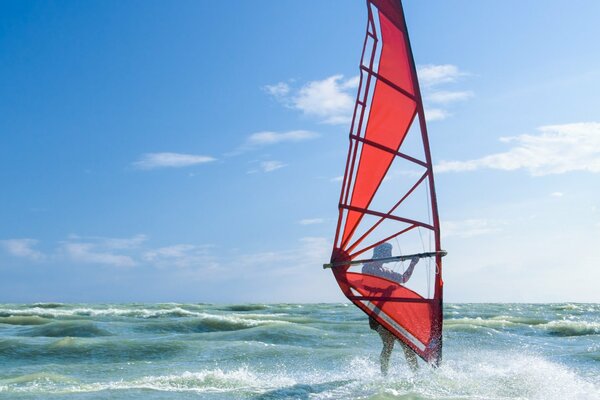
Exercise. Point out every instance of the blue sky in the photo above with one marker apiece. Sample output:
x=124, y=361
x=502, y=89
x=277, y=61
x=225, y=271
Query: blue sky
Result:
x=189, y=151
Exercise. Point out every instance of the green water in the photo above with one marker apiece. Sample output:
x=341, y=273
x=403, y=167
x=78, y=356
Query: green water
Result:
x=290, y=351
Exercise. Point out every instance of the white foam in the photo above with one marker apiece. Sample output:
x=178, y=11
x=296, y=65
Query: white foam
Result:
x=569, y=327
x=474, y=376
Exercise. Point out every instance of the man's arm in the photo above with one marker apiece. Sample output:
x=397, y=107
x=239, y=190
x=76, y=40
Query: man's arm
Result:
x=406, y=275
x=398, y=277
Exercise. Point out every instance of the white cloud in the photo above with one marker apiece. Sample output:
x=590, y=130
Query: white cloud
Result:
x=339, y=178
x=182, y=256
x=118, y=252
x=268, y=138
x=331, y=100
x=300, y=259
x=469, y=227
x=557, y=194
x=436, y=114
x=113, y=243
x=22, y=248
x=278, y=90
x=272, y=165
x=89, y=253
x=311, y=221
x=432, y=75
x=445, y=97
x=170, y=160
x=557, y=149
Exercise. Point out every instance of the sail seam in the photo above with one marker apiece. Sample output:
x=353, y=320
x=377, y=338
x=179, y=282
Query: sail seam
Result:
x=380, y=214
x=388, y=82
x=389, y=150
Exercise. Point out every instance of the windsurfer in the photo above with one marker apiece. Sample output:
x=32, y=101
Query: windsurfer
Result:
x=388, y=339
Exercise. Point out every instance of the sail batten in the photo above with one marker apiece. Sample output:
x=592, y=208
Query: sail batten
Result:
x=388, y=194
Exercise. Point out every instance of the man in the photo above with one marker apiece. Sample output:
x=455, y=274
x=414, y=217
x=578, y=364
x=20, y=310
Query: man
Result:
x=376, y=268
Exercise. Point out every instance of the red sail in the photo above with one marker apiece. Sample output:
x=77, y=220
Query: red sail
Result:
x=388, y=192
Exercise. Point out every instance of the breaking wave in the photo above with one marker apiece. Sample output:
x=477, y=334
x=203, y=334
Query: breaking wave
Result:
x=81, y=349
x=286, y=351
x=572, y=328
x=478, y=376
x=67, y=328
x=24, y=320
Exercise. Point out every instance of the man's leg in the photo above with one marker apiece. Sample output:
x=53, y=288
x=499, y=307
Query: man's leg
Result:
x=388, y=345
x=411, y=357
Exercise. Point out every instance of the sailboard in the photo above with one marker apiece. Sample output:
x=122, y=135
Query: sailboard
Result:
x=388, y=193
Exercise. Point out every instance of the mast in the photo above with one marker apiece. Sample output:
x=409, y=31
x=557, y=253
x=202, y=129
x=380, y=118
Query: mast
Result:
x=385, y=136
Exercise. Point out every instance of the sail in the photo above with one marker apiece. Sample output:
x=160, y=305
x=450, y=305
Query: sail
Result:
x=388, y=193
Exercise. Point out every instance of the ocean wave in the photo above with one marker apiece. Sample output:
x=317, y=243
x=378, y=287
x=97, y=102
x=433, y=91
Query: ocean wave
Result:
x=470, y=323
x=520, y=319
x=572, y=328
x=72, y=349
x=498, y=322
x=67, y=328
x=126, y=311
x=504, y=375
x=36, y=378
x=245, y=307
x=290, y=334
x=24, y=320
x=204, y=381
x=240, y=382
x=204, y=322
x=480, y=375
x=48, y=305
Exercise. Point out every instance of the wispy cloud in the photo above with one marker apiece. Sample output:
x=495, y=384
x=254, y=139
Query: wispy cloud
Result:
x=311, y=221
x=127, y=252
x=469, y=227
x=309, y=251
x=330, y=100
x=262, y=139
x=182, y=256
x=22, y=248
x=278, y=90
x=267, y=166
x=89, y=253
x=446, y=97
x=556, y=149
x=436, y=114
x=118, y=252
x=557, y=194
x=268, y=138
x=170, y=160
x=272, y=165
x=113, y=243
x=432, y=75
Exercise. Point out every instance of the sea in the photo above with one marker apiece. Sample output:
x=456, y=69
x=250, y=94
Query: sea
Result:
x=290, y=351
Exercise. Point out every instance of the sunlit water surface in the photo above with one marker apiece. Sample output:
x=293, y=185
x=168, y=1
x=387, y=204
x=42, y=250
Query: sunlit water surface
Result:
x=290, y=351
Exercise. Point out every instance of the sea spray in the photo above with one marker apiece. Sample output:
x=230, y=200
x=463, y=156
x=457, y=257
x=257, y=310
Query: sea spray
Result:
x=290, y=351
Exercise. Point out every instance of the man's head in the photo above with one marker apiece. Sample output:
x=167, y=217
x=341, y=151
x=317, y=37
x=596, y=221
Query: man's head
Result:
x=382, y=251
